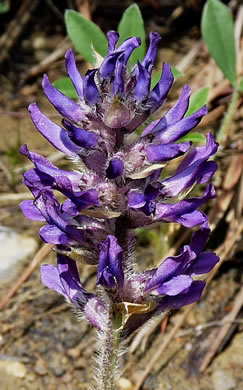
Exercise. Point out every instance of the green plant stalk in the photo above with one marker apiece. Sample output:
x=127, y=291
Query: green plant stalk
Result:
x=222, y=134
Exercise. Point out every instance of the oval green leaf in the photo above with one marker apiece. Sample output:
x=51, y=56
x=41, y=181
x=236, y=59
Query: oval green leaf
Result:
x=197, y=100
x=85, y=35
x=218, y=34
x=66, y=87
x=131, y=25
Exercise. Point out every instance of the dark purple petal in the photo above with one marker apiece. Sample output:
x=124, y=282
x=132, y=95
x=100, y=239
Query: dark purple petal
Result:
x=115, y=168
x=150, y=56
x=136, y=199
x=175, y=285
x=118, y=82
x=83, y=138
x=161, y=153
x=199, y=153
x=73, y=72
x=167, y=269
x=193, y=293
x=203, y=264
x=142, y=87
x=166, y=134
x=30, y=211
x=69, y=277
x=107, y=67
x=110, y=270
x=66, y=106
x=53, y=235
x=175, y=114
x=113, y=38
x=196, y=173
x=160, y=91
x=91, y=92
x=199, y=238
x=181, y=211
x=57, y=136
x=128, y=46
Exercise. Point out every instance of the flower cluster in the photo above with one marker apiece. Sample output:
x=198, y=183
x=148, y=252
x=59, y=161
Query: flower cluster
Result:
x=117, y=187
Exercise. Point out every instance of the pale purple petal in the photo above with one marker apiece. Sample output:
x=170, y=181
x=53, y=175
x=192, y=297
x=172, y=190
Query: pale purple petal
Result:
x=57, y=136
x=163, y=153
x=174, y=286
x=30, y=211
x=66, y=106
x=73, y=73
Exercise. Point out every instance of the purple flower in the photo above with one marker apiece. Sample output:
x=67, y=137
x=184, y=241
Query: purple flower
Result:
x=64, y=279
x=117, y=186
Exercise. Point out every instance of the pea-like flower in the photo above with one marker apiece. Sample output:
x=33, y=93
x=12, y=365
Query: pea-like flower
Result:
x=117, y=187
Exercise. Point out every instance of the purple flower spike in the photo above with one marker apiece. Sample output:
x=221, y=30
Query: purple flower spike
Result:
x=110, y=272
x=120, y=182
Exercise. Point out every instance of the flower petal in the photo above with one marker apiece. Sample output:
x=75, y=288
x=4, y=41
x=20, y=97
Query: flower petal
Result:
x=66, y=106
x=57, y=136
x=73, y=73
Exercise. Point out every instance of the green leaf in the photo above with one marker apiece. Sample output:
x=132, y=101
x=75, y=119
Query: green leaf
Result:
x=197, y=100
x=157, y=75
x=131, y=25
x=66, y=87
x=4, y=6
x=85, y=35
x=218, y=34
x=176, y=73
x=194, y=137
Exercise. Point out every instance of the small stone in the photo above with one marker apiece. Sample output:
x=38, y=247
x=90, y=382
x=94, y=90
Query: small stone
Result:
x=125, y=384
x=80, y=363
x=67, y=378
x=30, y=377
x=74, y=352
x=15, y=248
x=13, y=368
x=223, y=380
x=40, y=368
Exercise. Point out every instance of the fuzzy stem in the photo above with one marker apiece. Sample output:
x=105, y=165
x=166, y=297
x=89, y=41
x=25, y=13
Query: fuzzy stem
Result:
x=110, y=353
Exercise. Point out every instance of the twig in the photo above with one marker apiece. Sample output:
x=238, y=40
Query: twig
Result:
x=16, y=27
x=198, y=329
x=40, y=255
x=44, y=64
x=162, y=347
x=9, y=199
x=189, y=57
x=223, y=331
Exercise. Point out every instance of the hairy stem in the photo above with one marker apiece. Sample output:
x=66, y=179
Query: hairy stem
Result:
x=110, y=353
